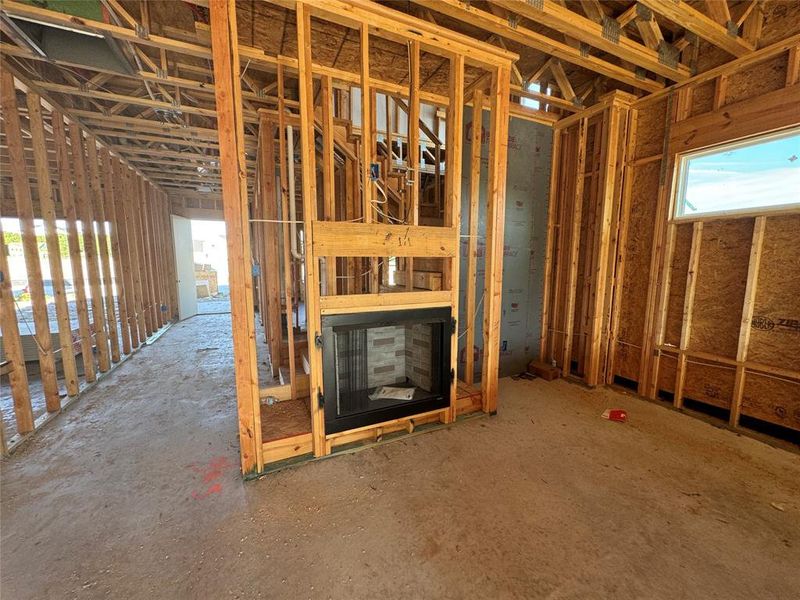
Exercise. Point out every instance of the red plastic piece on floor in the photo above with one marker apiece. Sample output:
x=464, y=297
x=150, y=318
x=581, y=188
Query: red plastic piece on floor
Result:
x=615, y=414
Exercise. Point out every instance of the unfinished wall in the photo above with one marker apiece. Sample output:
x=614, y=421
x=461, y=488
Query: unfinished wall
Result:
x=528, y=177
x=86, y=267
x=684, y=349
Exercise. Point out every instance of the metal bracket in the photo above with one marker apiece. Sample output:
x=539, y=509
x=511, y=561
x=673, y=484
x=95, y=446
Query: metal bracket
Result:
x=537, y=4
x=161, y=73
x=453, y=326
x=733, y=28
x=584, y=49
x=320, y=398
x=513, y=21
x=318, y=340
x=141, y=31
x=611, y=29
x=640, y=72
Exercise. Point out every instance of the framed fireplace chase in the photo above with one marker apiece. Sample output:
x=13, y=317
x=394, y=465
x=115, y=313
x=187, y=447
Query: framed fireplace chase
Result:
x=379, y=366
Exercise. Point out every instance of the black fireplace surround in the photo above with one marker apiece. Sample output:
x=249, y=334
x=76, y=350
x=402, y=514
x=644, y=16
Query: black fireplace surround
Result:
x=379, y=366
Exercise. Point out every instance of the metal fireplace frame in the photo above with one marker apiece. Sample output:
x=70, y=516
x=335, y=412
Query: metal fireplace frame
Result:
x=442, y=315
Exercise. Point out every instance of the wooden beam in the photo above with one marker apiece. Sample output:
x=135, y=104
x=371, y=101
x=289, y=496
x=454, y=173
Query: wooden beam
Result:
x=230, y=122
x=520, y=34
x=378, y=239
x=413, y=183
x=571, y=23
x=692, y=19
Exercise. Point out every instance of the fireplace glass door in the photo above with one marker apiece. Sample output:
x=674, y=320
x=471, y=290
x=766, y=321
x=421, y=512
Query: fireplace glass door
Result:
x=386, y=365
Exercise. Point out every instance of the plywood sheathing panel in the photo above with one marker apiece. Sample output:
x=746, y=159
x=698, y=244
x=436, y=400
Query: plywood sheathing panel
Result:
x=703, y=98
x=721, y=280
x=677, y=289
x=775, y=330
x=638, y=247
x=709, y=382
x=772, y=399
x=651, y=129
x=757, y=80
x=666, y=372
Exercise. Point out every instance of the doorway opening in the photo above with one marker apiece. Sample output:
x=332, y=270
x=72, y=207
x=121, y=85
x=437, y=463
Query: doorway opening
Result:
x=210, y=255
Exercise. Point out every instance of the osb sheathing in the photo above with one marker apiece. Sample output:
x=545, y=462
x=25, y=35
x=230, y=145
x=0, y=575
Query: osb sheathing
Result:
x=772, y=399
x=720, y=287
x=775, y=332
x=709, y=382
x=722, y=275
x=702, y=98
x=679, y=268
x=756, y=80
x=638, y=246
x=651, y=129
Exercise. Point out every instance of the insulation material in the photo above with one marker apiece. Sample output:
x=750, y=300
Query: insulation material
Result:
x=527, y=183
x=638, y=249
x=721, y=280
x=772, y=399
x=775, y=327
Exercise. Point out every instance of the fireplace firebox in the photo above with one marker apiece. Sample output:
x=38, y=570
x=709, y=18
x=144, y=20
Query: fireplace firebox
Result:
x=380, y=366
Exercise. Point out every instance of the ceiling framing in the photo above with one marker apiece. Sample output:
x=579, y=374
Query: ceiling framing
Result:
x=161, y=118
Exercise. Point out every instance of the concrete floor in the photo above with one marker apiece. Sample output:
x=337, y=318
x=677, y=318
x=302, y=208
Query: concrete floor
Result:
x=135, y=493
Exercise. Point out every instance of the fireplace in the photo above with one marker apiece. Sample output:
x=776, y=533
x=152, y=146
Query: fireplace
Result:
x=385, y=365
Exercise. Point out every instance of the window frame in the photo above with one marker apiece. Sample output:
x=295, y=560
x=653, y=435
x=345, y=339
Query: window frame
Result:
x=682, y=173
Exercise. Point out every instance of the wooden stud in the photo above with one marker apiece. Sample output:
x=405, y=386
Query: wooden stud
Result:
x=71, y=219
x=748, y=305
x=84, y=205
x=12, y=346
x=452, y=207
x=288, y=281
x=470, y=309
x=328, y=183
x=24, y=203
x=552, y=222
x=495, y=219
x=230, y=123
x=48, y=212
x=99, y=202
x=413, y=186
x=688, y=309
x=270, y=265
x=313, y=322
x=574, y=238
x=113, y=190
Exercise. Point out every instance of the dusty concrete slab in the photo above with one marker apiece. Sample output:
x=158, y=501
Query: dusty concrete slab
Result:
x=135, y=493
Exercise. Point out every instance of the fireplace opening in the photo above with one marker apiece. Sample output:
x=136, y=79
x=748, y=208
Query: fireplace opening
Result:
x=385, y=365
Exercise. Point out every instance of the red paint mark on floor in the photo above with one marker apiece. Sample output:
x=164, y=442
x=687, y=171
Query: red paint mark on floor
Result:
x=209, y=473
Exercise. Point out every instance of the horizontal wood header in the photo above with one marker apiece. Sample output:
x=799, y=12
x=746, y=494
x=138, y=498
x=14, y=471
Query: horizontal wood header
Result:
x=771, y=112
x=332, y=238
